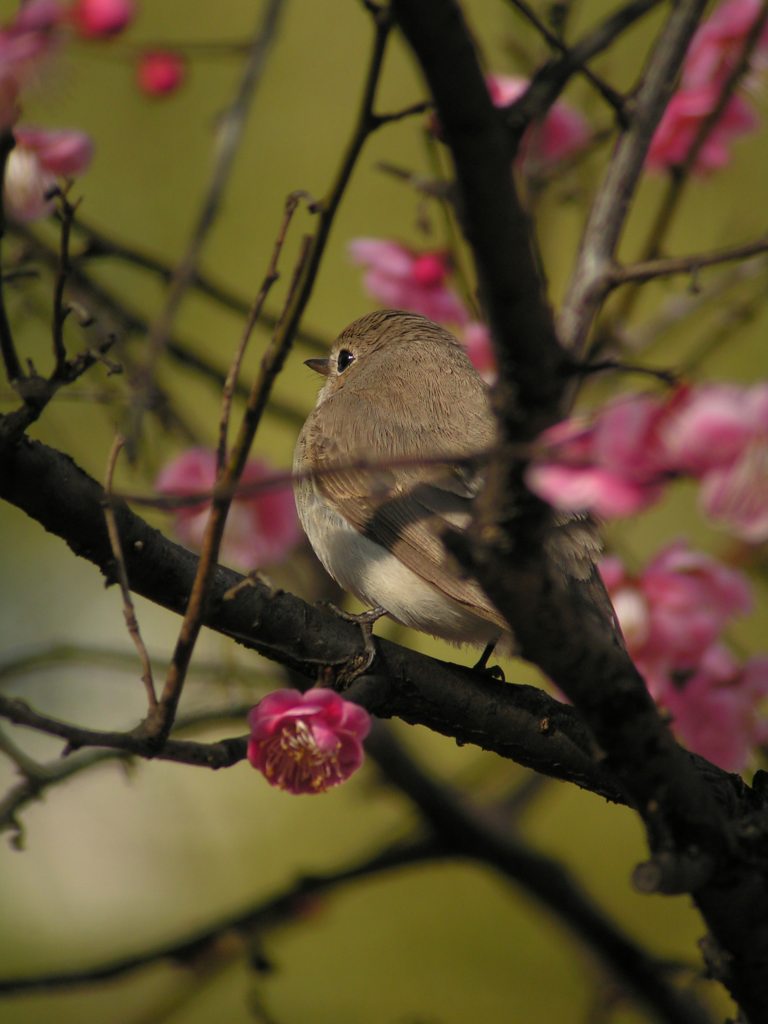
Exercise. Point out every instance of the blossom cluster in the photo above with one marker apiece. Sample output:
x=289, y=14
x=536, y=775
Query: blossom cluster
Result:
x=28, y=44
x=712, y=57
x=673, y=616
x=262, y=526
x=616, y=463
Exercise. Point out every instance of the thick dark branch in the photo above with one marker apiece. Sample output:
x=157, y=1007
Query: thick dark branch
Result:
x=519, y=722
x=530, y=358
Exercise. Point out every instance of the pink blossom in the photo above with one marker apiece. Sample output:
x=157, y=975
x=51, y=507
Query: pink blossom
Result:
x=98, y=19
x=477, y=342
x=160, y=72
x=719, y=711
x=680, y=124
x=613, y=466
x=719, y=434
x=307, y=742
x=719, y=42
x=261, y=528
x=37, y=160
x=561, y=133
x=405, y=279
x=26, y=43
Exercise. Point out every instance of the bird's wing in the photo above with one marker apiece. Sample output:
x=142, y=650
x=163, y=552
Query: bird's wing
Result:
x=406, y=510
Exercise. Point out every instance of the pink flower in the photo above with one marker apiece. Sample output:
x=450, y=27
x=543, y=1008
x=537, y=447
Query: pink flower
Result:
x=718, y=712
x=26, y=43
x=307, y=742
x=719, y=42
x=561, y=133
x=477, y=342
x=613, y=466
x=261, y=528
x=160, y=72
x=405, y=279
x=681, y=122
x=674, y=611
x=97, y=19
x=712, y=56
x=38, y=159
x=719, y=434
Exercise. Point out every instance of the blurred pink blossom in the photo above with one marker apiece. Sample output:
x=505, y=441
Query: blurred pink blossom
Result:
x=676, y=608
x=719, y=434
x=561, y=133
x=261, y=528
x=477, y=342
x=673, y=616
x=37, y=160
x=307, y=742
x=26, y=42
x=680, y=124
x=613, y=466
x=713, y=54
x=405, y=279
x=98, y=19
x=160, y=72
x=719, y=42
x=720, y=710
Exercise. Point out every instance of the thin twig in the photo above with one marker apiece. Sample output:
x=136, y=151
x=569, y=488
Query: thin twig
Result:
x=229, y=133
x=13, y=369
x=230, y=384
x=611, y=206
x=681, y=174
x=649, y=269
x=129, y=611
x=60, y=312
x=613, y=98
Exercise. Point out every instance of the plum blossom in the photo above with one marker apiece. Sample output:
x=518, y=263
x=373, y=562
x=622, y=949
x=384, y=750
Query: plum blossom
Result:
x=720, y=711
x=712, y=56
x=477, y=342
x=99, y=19
x=718, y=433
x=261, y=528
x=307, y=742
x=406, y=279
x=562, y=132
x=613, y=466
x=160, y=72
x=673, y=616
x=676, y=608
x=680, y=124
x=39, y=158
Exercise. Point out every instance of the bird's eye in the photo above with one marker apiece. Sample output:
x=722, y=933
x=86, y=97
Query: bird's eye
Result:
x=345, y=359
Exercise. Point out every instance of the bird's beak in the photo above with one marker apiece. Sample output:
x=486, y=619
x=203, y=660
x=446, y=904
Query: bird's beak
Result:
x=318, y=365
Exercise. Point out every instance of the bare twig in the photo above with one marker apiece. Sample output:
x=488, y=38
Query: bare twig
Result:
x=230, y=383
x=613, y=98
x=7, y=347
x=67, y=212
x=681, y=175
x=129, y=611
x=230, y=128
x=649, y=269
x=609, y=211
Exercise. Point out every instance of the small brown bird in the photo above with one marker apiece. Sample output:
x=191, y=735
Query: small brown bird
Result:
x=400, y=389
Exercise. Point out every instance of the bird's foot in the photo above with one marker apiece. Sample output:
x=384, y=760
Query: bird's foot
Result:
x=360, y=663
x=494, y=671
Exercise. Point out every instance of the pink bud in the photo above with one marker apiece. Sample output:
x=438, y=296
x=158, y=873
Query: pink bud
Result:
x=99, y=19
x=160, y=72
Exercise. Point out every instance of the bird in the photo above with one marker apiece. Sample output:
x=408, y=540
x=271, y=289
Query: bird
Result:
x=372, y=494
